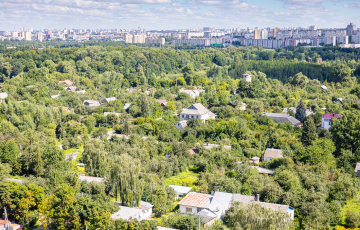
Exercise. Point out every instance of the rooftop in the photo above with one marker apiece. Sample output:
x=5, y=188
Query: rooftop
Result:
x=243, y=198
x=181, y=189
x=331, y=115
x=273, y=153
x=195, y=199
x=91, y=178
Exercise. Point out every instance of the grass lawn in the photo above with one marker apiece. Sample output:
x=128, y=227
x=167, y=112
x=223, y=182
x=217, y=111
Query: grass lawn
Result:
x=187, y=178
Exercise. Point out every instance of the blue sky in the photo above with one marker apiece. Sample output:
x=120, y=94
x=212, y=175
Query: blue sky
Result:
x=176, y=14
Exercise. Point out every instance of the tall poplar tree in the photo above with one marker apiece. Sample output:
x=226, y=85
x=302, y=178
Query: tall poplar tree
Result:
x=308, y=134
x=300, y=111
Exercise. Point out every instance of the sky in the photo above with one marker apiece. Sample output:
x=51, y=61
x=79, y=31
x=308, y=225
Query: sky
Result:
x=176, y=14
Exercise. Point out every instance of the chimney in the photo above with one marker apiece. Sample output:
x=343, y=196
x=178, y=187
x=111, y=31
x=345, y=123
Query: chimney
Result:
x=257, y=198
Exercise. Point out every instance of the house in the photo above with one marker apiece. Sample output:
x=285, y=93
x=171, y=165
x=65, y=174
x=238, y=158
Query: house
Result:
x=308, y=111
x=66, y=82
x=66, y=109
x=80, y=92
x=357, y=168
x=272, y=154
x=323, y=87
x=181, y=124
x=162, y=102
x=340, y=99
x=107, y=100
x=107, y=113
x=247, y=77
x=208, y=217
x=276, y=207
x=263, y=170
x=92, y=179
x=14, y=226
x=55, y=96
x=193, y=93
x=255, y=160
x=281, y=118
x=91, y=103
x=181, y=191
x=126, y=213
x=127, y=106
x=210, y=146
x=194, y=202
x=70, y=156
x=327, y=119
x=197, y=111
x=70, y=88
x=3, y=96
x=220, y=203
x=132, y=90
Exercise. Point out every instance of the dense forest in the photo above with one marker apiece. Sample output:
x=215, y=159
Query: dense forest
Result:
x=316, y=177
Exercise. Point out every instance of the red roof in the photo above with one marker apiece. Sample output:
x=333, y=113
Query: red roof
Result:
x=191, y=152
x=67, y=82
x=195, y=199
x=331, y=115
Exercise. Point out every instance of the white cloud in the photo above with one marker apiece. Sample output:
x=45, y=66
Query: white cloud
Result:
x=352, y=5
x=188, y=11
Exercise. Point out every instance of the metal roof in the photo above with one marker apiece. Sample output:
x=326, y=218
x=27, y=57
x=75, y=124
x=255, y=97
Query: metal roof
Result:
x=91, y=178
x=181, y=189
x=243, y=198
x=220, y=201
x=273, y=153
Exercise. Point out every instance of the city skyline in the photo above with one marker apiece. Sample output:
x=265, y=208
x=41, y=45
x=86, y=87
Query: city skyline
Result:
x=171, y=14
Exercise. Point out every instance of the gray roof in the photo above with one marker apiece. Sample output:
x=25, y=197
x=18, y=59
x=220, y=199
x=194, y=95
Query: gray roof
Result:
x=323, y=87
x=91, y=178
x=70, y=156
x=109, y=99
x=210, y=146
x=243, y=198
x=107, y=113
x=308, y=111
x=127, y=105
x=220, y=201
x=181, y=189
x=14, y=180
x=273, y=153
x=3, y=95
x=275, y=207
x=91, y=103
x=263, y=170
x=281, y=118
x=357, y=168
x=126, y=213
x=182, y=124
x=197, y=109
x=207, y=215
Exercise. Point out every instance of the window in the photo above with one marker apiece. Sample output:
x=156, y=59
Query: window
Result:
x=183, y=116
x=187, y=116
x=327, y=120
x=188, y=210
x=192, y=116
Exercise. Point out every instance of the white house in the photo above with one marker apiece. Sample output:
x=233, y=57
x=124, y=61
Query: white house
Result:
x=107, y=100
x=91, y=103
x=3, y=96
x=327, y=119
x=194, y=202
x=220, y=203
x=181, y=124
x=126, y=213
x=181, y=191
x=197, y=111
x=272, y=153
x=357, y=168
x=247, y=77
x=193, y=93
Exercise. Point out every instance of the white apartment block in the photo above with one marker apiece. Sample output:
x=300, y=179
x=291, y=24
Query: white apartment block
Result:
x=40, y=36
x=342, y=39
x=128, y=38
x=198, y=41
x=331, y=40
x=27, y=36
x=155, y=40
x=139, y=38
x=306, y=34
x=14, y=34
x=355, y=39
x=335, y=33
x=284, y=34
x=194, y=34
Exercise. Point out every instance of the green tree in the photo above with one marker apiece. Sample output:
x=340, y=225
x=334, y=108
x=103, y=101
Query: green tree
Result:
x=89, y=122
x=341, y=71
x=308, y=134
x=125, y=177
x=95, y=158
x=300, y=111
x=320, y=151
x=146, y=105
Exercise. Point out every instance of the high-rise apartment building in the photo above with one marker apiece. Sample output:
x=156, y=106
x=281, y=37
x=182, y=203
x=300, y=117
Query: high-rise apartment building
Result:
x=14, y=34
x=313, y=27
x=27, y=36
x=275, y=31
x=209, y=29
x=257, y=34
x=155, y=40
x=139, y=38
x=40, y=36
x=350, y=29
x=128, y=38
x=264, y=34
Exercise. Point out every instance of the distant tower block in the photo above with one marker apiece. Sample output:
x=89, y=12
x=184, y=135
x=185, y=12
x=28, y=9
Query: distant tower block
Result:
x=247, y=77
